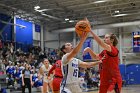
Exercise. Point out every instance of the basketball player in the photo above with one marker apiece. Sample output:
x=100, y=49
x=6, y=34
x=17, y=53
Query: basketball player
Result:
x=44, y=72
x=111, y=80
x=57, y=76
x=70, y=66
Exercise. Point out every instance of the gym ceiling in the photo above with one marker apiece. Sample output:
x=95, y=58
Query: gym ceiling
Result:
x=59, y=14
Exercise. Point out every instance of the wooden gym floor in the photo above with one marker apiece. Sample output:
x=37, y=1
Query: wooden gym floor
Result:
x=127, y=89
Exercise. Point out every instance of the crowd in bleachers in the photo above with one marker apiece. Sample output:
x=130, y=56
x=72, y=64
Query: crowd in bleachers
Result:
x=89, y=78
x=13, y=61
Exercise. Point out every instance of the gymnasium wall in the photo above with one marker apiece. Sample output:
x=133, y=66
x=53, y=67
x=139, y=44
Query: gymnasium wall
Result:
x=129, y=55
x=50, y=39
x=68, y=38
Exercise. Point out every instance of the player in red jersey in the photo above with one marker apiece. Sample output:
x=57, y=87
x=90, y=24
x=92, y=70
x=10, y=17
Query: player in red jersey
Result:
x=111, y=80
x=57, y=76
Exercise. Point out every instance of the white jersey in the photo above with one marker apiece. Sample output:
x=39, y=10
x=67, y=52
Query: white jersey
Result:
x=46, y=71
x=70, y=72
x=70, y=69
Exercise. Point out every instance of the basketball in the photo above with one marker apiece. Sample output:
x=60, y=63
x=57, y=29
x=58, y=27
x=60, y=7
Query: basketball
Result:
x=82, y=26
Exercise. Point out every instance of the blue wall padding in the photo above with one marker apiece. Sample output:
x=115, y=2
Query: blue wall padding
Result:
x=24, y=35
x=37, y=28
x=133, y=73
x=123, y=70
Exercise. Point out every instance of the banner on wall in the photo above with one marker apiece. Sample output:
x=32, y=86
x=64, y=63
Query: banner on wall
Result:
x=87, y=43
x=37, y=28
x=24, y=35
x=136, y=41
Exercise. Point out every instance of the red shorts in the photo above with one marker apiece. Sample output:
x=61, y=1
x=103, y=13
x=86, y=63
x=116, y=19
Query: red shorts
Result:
x=56, y=84
x=109, y=87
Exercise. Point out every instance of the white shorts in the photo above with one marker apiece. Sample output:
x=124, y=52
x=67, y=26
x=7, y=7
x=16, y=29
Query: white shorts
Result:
x=46, y=80
x=70, y=88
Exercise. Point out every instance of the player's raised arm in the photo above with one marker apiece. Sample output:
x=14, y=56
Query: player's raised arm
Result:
x=92, y=54
x=101, y=42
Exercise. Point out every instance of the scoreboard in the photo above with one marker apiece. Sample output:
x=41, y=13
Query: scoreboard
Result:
x=136, y=41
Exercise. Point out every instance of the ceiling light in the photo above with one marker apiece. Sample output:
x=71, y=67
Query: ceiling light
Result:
x=43, y=14
x=117, y=11
x=66, y=19
x=42, y=10
x=100, y=1
x=36, y=7
x=71, y=21
x=119, y=15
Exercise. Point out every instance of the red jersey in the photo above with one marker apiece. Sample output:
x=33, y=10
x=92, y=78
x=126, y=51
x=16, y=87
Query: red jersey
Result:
x=57, y=68
x=109, y=69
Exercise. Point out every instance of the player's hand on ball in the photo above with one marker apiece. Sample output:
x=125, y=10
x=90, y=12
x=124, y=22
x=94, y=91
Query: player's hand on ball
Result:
x=82, y=26
x=84, y=36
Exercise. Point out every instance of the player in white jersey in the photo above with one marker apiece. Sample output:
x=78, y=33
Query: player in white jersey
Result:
x=44, y=70
x=70, y=82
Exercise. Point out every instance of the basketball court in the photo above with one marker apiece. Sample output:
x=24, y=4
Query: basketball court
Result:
x=128, y=89
x=31, y=30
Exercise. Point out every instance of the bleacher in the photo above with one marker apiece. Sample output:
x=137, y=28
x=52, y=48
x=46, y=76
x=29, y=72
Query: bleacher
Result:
x=3, y=83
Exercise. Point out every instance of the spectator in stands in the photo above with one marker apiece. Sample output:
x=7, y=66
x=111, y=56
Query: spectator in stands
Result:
x=26, y=79
x=11, y=80
x=11, y=48
x=2, y=66
x=88, y=77
x=17, y=75
x=34, y=76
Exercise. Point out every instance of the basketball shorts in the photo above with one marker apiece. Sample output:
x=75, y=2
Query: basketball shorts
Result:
x=56, y=83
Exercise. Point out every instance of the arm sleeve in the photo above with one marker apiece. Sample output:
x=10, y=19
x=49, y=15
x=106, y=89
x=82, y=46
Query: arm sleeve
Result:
x=51, y=70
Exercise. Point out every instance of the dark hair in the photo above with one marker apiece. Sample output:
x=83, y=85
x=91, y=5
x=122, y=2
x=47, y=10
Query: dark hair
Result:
x=62, y=49
x=26, y=66
x=114, y=38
